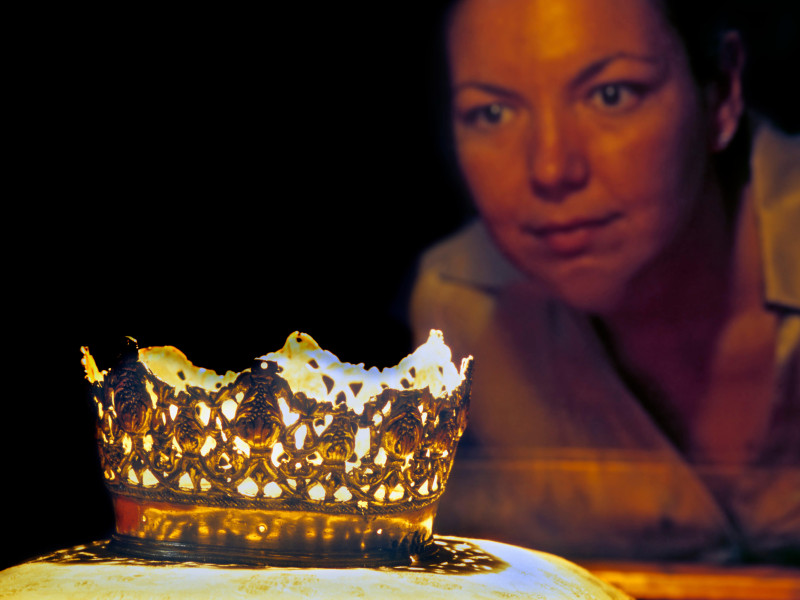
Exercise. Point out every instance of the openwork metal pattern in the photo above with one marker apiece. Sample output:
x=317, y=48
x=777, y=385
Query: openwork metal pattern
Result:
x=250, y=442
x=450, y=556
x=256, y=443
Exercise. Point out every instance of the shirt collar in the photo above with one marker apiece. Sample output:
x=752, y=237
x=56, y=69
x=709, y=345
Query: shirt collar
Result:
x=471, y=258
x=776, y=190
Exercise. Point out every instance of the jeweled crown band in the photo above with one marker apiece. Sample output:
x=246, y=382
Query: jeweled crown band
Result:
x=253, y=441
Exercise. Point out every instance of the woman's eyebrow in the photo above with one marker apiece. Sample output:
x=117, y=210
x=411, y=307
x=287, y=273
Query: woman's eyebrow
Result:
x=489, y=88
x=583, y=75
x=599, y=65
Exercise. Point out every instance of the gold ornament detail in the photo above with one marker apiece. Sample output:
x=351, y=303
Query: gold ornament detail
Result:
x=187, y=454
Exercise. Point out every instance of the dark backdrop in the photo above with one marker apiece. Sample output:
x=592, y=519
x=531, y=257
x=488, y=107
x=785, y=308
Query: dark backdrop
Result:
x=215, y=182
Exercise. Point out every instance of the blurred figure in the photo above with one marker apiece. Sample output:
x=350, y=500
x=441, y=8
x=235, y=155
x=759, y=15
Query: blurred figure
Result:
x=631, y=291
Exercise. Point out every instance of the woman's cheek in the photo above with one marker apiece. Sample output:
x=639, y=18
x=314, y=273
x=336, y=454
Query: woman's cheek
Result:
x=654, y=166
x=664, y=148
x=494, y=177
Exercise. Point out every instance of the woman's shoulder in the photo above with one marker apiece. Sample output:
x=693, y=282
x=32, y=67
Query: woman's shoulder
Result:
x=456, y=284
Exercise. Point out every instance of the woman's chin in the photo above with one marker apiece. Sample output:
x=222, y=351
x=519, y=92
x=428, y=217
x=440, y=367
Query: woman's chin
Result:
x=590, y=295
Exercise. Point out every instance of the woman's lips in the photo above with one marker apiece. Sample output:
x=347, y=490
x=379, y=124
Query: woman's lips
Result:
x=573, y=237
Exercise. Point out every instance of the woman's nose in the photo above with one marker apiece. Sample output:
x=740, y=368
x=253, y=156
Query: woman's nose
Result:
x=557, y=165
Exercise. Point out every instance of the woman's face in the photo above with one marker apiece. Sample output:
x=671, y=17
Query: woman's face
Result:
x=581, y=134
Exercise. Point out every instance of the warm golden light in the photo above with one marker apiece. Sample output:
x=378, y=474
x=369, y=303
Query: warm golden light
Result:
x=300, y=455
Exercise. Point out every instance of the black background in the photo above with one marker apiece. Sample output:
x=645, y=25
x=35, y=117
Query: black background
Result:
x=214, y=182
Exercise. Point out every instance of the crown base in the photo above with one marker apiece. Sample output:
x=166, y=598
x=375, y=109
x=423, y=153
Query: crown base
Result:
x=243, y=557
x=253, y=537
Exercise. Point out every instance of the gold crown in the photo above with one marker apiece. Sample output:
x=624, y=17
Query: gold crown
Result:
x=301, y=459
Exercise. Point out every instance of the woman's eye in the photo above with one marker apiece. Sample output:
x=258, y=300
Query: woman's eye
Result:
x=487, y=115
x=616, y=97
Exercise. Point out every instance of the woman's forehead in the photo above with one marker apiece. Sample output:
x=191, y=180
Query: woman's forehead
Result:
x=555, y=30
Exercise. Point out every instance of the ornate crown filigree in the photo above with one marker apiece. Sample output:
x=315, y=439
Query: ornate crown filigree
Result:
x=300, y=456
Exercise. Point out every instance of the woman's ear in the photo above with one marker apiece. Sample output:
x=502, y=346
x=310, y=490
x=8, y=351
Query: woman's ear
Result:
x=724, y=97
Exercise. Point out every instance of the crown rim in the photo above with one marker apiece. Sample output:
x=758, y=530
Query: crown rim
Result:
x=270, y=537
x=256, y=470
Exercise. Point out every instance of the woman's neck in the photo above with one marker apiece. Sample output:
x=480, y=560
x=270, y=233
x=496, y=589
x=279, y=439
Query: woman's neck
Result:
x=690, y=280
x=687, y=320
